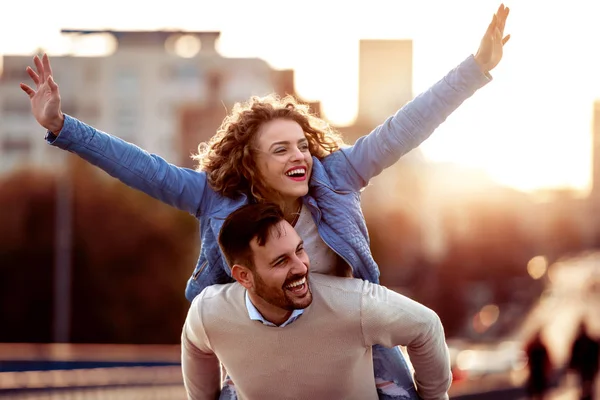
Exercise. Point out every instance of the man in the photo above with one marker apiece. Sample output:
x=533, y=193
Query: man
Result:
x=585, y=357
x=282, y=333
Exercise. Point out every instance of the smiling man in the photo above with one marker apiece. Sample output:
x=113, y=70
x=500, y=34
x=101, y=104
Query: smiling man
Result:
x=282, y=333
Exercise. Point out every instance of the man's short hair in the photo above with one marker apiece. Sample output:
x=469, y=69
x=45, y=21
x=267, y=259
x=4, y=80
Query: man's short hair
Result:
x=243, y=225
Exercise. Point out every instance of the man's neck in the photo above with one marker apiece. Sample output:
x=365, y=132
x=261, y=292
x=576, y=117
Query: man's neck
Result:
x=274, y=315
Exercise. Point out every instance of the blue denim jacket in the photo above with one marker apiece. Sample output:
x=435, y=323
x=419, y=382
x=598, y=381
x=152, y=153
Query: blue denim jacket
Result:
x=334, y=188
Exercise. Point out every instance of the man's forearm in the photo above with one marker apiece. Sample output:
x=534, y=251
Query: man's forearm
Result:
x=430, y=357
x=390, y=319
x=201, y=372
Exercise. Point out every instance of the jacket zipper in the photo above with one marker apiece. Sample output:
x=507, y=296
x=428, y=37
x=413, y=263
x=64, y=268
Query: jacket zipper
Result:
x=330, y=246
x=197, y=273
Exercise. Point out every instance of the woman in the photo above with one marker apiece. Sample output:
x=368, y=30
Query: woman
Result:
x=270, y=149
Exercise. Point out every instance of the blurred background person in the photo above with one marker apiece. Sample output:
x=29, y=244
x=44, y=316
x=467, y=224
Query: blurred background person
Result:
x=540, y=367
x=584, y=361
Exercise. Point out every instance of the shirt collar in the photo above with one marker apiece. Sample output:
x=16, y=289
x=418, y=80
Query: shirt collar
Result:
x=255, y=315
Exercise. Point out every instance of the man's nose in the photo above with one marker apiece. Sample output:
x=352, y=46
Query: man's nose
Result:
x=300, y=266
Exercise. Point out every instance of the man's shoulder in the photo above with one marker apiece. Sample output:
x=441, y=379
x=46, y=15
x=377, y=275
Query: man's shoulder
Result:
x=221, y=293
x=338, y=285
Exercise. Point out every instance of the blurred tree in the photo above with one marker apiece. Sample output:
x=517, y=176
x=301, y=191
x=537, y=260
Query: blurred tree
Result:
x=131, y=258
x=26, y=256
x=133, y=254
x=488, y=246
x=564, y=236
x=396, y=246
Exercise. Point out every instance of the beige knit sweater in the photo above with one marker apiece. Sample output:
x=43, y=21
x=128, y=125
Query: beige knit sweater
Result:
x=324, y=354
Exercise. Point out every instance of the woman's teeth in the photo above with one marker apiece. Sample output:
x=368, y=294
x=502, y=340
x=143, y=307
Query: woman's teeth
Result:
x=296, y=172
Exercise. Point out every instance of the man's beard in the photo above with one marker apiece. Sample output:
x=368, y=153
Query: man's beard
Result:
x=280, y=297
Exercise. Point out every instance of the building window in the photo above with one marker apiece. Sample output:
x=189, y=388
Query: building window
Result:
x=126, y=121
x=89, y=112
x=181, y=72
x=127, y=83
x=10, y=106
x=14, y=74
x=16, y=144
x=90, y=73
x=70, y=108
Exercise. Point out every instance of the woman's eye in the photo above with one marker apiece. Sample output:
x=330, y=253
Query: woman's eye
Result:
x=280, y=150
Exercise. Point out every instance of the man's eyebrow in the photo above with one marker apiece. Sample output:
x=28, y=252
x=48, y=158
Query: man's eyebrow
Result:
x=277, y=259
x=283, y=256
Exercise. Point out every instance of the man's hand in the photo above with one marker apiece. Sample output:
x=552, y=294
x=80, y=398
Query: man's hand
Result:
x=490, y=49
x=45, y=100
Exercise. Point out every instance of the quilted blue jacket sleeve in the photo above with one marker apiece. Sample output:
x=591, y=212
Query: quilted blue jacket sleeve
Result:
x=182, y=188
x=411, y=125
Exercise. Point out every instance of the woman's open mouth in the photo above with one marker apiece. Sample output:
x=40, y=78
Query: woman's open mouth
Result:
x=297, y=174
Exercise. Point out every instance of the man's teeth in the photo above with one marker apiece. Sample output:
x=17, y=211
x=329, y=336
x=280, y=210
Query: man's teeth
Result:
x=298, y=171
x=296, y=283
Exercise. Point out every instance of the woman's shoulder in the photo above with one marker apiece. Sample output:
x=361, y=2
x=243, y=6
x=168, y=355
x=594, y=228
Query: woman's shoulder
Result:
x=220, y=206
x=333, y=169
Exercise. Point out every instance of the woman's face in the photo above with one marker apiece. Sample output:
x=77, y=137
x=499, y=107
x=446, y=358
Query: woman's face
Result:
x=284, y=161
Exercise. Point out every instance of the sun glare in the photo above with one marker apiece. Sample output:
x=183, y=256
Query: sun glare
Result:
x=529, y=128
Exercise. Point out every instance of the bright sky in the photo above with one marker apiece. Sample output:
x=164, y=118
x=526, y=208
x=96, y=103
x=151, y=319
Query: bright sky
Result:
x=529, y=129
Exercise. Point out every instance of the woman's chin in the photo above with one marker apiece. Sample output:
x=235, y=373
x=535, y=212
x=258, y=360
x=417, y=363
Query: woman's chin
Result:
x=302, y=192
x=296, y=192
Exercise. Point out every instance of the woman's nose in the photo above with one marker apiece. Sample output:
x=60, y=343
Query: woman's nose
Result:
x=297, y=154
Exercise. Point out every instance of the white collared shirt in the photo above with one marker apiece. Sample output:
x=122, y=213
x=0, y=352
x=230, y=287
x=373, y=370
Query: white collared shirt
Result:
x=255, y=315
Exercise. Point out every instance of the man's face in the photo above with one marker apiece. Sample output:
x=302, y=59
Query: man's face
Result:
x=281, y=269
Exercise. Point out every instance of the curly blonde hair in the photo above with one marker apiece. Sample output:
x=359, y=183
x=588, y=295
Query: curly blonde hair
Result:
x=229, y=157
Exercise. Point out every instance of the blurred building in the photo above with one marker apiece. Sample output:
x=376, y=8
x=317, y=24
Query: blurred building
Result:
x=385, y=85
x=596, y=151
x=385, y=78
x=135, y=93
x=592, y=206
